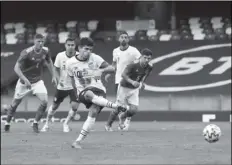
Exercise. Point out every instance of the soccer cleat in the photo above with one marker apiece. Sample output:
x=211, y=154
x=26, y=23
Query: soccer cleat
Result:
x=35, y=127
x=108, y=128
x=45, y=128
x=76, y=145
x=7, y=127
x=66, y=128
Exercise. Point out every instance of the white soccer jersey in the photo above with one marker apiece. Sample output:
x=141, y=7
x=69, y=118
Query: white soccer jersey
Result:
x=124, y=58
x=82, y=72
x=60, y=63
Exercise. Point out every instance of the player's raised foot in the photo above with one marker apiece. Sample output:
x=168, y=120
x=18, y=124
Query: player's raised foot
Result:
x=76, y=145
x=108, y=128
x=66, y=128
x=45, y=128
x=35, y=127
x=7, y=127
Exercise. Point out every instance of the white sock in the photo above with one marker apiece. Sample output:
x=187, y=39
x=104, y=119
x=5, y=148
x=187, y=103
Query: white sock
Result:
x=89, y=123
x=49, y=115
x=127, y=121
x=71, y=113
x=104, y=102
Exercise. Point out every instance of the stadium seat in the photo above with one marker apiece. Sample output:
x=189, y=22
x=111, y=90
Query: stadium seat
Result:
x=62, y=36
x=131, y=34
x=175, y=37
x=84, y=34
x=11, y=39
x=141, y=35
x=217, y=25
x=194, y=20
x=186, y=37
x=20, y=30
x=152, y=35
x=71, y=24
x=92, y=25
x=41, y=30
x=215, y=20
x=228, y=31
x=221, y=36
x=19, y=25
x=81, y=26
x=165, y=37
x=198, y=36
x=8, y=26
x=210, y=36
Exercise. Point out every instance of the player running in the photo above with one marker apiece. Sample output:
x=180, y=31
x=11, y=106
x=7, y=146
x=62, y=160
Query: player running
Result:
x=122, y=56
x=29, y=69
x=128, y=90
x=85, y=70
x=64, y=87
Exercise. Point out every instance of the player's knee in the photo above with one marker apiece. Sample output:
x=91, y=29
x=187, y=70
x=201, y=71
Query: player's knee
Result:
x=16, y=102
x=44, y=102
x=89, y=95
x=94, y=111
x=132, y=111
x=74, y=105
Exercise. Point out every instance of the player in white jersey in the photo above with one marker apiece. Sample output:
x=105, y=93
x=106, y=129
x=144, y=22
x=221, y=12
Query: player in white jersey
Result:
x=85, y=70
x=122, y=56
x=64, y=88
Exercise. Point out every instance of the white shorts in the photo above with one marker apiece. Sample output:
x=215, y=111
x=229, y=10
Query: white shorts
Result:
x=36, y=88
x=128, y=95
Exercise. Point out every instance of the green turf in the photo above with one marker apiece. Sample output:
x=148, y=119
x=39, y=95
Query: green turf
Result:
x=145, y=143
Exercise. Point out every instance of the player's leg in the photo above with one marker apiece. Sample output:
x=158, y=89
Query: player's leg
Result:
x=121, y=98
x=92, y=96
x=133, y=102
x=20, y=92
x=88, y=125
x=40, y=91
x=71, y=114
x=73, y=111
x=58, y=99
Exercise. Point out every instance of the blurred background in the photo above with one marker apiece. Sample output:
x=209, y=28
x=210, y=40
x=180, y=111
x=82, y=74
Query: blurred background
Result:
x=164, y=27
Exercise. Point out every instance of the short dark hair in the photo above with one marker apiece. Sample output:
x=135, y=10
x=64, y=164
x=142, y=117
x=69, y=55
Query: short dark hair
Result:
x=70, y=39
x=85, y=41
x=123, y=32
x=146, y=52
x=38, y=36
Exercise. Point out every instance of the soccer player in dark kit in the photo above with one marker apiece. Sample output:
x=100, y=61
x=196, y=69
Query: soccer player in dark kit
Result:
x=128, y=91
x=29, y=68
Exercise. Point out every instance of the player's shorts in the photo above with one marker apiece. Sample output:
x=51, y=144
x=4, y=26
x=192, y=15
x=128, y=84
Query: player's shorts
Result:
x=96, y=91
x=60, y=95
x=128, y=95
x=36, y=88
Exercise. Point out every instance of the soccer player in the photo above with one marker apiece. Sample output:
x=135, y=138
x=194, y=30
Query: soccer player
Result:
x=85, y=70
x=122, y=56
x=29, y=69
x=64, y=87
x=128, y=90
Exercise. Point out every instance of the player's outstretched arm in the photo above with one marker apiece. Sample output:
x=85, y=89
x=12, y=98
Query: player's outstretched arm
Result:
x=51, y=69
x=18, y=66
x=105, y=67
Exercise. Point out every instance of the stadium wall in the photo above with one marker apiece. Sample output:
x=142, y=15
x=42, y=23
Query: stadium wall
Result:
x=189, y=79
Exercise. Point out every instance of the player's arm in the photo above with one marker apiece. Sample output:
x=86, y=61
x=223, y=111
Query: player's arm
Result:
x=145, y=77
x=57, y=66
x=19, y=64
x=114, y=65
x=126, y=72
x=71, y=75
x=106, y=67
x=49, y=64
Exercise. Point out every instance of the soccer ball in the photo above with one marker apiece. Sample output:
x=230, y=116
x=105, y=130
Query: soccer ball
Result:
x=212, y=133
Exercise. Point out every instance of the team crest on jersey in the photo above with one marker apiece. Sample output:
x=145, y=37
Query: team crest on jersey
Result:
x=91, y=65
